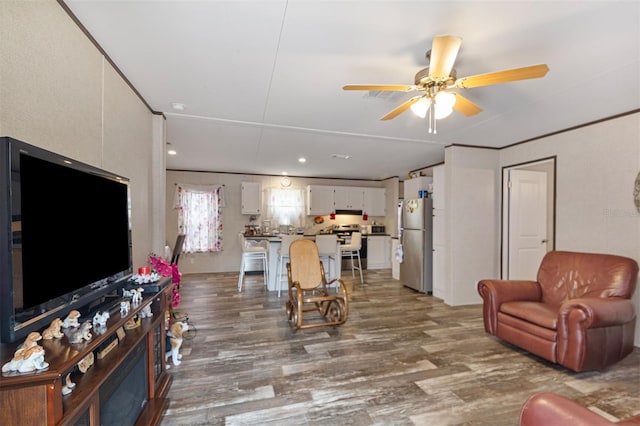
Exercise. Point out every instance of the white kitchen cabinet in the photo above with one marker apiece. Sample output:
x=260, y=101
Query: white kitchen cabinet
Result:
x=348, y=198
x=251, y=198
x=378, y=252
x=319, y=200
x=375, y=201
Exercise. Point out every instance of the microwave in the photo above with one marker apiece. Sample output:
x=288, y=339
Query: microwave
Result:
x=376, y=229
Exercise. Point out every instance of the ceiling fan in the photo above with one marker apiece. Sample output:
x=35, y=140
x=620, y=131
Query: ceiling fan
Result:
x=437, y=81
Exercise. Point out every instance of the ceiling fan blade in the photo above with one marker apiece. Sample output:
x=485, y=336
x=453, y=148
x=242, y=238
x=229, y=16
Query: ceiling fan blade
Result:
x=444, y=50
x=465, y=106
x=488, y=79
x=393, y=87
x=402, y=108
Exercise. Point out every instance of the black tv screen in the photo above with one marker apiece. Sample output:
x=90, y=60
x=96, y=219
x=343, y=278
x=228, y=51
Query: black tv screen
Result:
x=66, y=237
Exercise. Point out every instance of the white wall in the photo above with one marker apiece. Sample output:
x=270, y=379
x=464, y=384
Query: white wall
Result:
x=596, y=169
x=233, y=221
x=472, y=221
x=59, y=93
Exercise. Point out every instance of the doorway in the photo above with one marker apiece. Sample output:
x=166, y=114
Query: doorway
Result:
x=528, y=217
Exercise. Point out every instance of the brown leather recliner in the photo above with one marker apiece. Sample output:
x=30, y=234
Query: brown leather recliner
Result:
x=577, y=314
x=549, y=409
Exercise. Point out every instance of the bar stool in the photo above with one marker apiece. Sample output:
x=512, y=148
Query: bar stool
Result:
x=353, y=249
x=283, y=256
x=327, y=250
x=253, y=250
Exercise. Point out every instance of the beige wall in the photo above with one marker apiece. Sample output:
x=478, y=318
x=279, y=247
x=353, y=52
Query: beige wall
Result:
x=233, y=221
x=59, y=93
x=596, y=169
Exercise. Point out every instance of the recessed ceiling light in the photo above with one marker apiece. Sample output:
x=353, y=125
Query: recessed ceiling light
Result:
x=284, y=173
x=341, y=156
x=178, y=106
x=172, y=152
x=302, y=160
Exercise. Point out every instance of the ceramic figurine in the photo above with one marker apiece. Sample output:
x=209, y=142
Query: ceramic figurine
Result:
x=100, y=318
x=72, y=320
x=33, y=359
x=175, y=342
x=146, y=312
x=32, y=340
x=15, y=362
x=53, y=331
x=68, y=386
x=137, y=296
x=124, y=307
x=77, y=336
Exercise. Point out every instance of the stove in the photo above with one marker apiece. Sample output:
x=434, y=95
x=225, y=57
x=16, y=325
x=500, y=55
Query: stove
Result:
x=346, y=229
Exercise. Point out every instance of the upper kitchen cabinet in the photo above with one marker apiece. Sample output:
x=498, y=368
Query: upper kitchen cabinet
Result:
x=348, y=198
x=375, y=201
x=319, y=200
x=251, y=198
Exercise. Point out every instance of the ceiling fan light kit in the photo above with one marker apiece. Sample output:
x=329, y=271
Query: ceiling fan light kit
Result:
x=439, y=79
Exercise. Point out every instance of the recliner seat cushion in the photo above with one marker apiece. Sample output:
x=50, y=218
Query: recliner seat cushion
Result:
x=541, y=314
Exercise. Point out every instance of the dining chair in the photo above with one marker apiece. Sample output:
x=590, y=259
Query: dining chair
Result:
x=252, y=249
x=353, y=249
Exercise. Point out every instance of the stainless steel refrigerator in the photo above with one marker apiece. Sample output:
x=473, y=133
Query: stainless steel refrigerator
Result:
x=416, y=269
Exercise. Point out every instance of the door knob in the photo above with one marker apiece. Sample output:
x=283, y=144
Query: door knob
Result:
x=545, y=241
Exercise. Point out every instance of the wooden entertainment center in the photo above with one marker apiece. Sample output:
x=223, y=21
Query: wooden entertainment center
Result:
x=136, y=359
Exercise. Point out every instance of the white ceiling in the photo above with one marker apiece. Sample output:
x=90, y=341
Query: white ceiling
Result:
x=262, y=80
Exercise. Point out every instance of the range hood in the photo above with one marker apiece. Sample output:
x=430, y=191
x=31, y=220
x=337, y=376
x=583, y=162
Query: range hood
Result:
x=349, y=212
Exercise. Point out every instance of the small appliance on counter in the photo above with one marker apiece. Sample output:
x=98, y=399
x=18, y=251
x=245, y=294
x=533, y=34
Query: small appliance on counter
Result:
x=376, y=230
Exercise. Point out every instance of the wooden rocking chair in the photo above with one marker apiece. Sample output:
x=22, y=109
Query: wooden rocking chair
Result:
x=309, y=289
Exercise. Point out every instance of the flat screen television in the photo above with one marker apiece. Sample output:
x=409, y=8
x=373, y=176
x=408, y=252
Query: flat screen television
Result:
x=65, y=237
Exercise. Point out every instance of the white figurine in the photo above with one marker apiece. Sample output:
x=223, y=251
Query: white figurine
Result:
x=69, y=385
x=146, y=312
x=72, y=320
x=137, y=296
x=124, y=307
x=100, y=319
x=14, y=364
x=175, y=341
x=33, y=359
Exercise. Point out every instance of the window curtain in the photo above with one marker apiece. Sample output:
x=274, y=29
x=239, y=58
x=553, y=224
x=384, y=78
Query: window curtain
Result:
x=285, y=206
x=199, y=216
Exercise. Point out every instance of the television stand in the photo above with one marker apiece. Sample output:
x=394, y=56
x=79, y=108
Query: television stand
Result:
x=133, y=370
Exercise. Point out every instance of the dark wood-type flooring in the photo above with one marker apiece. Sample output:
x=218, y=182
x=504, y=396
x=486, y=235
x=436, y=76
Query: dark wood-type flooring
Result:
x=402, y=358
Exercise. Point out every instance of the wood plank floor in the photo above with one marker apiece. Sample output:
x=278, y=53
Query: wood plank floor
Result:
x=402, y=358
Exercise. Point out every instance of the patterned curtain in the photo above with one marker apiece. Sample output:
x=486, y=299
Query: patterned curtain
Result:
x=199, y=217
x=285, y=206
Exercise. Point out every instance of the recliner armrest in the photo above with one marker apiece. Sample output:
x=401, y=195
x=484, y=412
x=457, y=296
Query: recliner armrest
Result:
x=549, y=409
x=598, y=312
x=496, y=292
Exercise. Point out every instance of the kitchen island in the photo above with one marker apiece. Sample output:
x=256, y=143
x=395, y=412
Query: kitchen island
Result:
x=274, y=276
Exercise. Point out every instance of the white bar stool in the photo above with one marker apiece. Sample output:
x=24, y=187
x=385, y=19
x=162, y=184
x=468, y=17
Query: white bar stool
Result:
x=353, y=249
x=283, y=256
x=327, y=244
x=251, y=249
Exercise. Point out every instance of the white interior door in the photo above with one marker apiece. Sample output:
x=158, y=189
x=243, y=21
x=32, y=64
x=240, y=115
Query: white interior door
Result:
x=527, y=223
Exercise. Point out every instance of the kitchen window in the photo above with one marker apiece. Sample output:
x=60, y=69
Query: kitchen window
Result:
x=285, y=206
x=199, y=216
